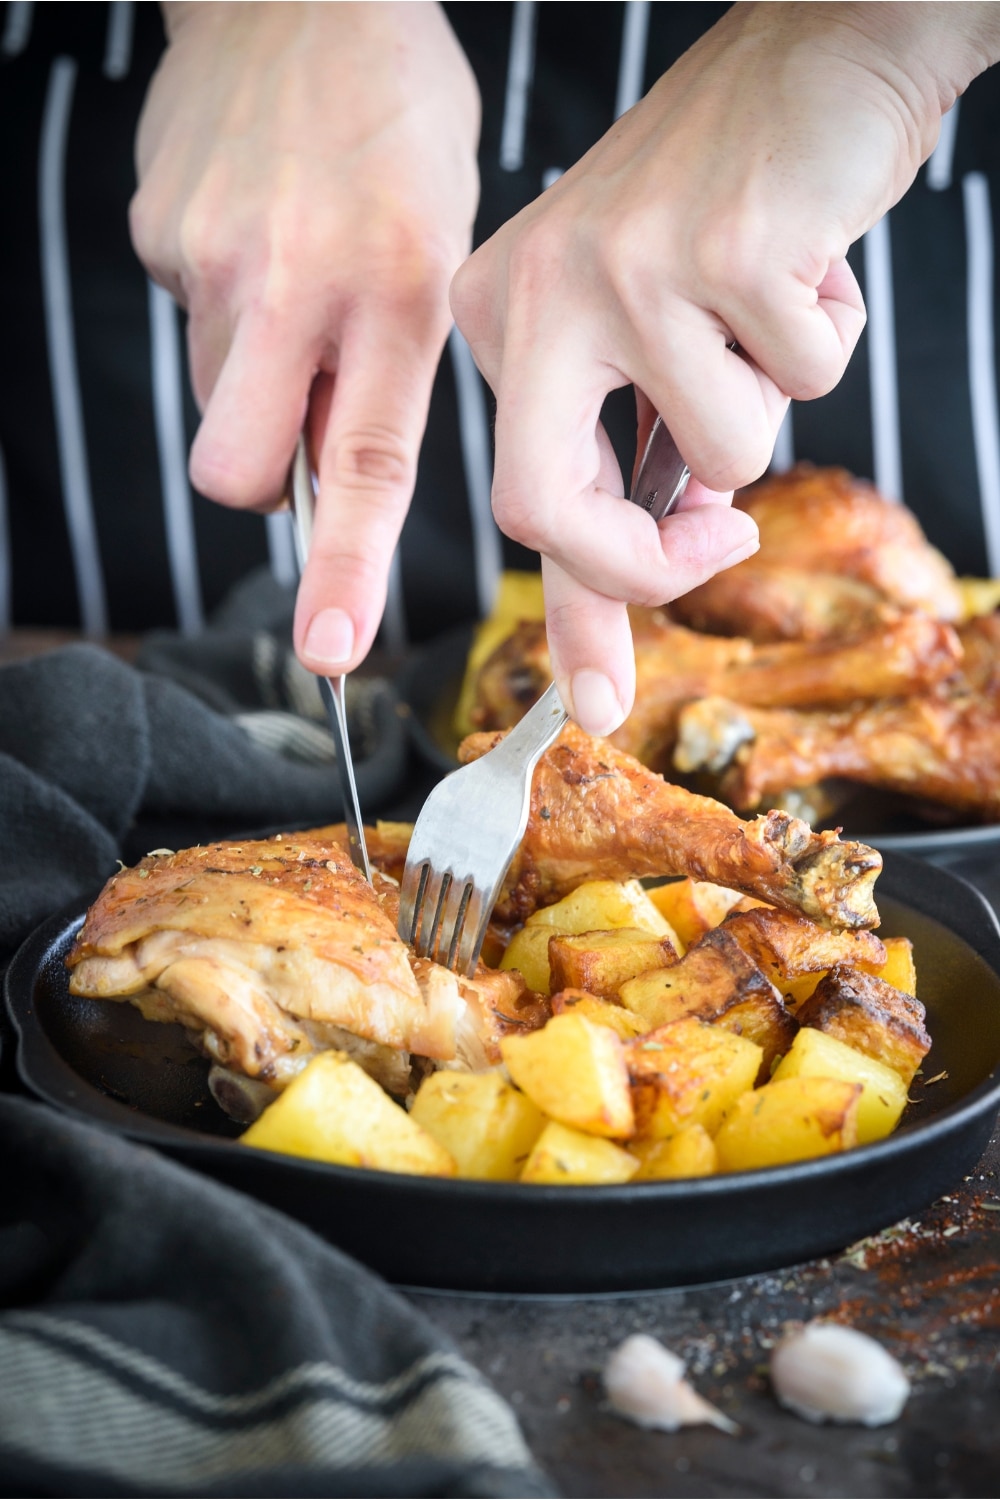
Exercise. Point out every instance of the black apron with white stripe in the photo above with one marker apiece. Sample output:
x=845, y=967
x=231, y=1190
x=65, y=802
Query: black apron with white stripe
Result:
x=98, y=525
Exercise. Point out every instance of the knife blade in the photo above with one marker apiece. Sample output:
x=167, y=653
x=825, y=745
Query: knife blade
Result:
x=302, y=495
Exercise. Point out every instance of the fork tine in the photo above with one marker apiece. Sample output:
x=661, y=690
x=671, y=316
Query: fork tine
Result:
x=452, y=911
x=411, y=897
x=477, y=916
x=428, y=918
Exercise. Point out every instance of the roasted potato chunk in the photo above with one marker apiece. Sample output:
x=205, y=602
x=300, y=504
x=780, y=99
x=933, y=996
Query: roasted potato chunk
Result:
x=332, y=1111
x=899, y=969
x=786, y=946
x=575, y=1072
x=788, y=1121
x=601, y=962
x=708, y=978
x=595, y=906
x=564, y=1156
x=689, y=1153
x=693, y=907
x=864, y=1012
x=816, y=1054
x=688, y=1073
x=599, y=904
x=485, y=1125
x=715, y=981
x=624, y=1023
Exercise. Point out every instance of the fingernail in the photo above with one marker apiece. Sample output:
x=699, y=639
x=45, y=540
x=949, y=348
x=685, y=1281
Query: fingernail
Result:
x=596, y=707
x=330, y=638
x=741, y=553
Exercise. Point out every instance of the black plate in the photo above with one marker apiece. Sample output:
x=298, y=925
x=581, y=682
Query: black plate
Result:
x=100, y=1060
x=430, y=681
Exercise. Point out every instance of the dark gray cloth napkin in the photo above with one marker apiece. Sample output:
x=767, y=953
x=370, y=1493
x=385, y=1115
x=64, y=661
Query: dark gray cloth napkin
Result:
x=100, y=760
x=163, y=1335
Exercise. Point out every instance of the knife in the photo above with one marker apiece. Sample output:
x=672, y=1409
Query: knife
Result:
x=302, y=494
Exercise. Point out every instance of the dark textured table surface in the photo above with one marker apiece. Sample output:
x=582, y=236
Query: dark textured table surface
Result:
x=928, y=1289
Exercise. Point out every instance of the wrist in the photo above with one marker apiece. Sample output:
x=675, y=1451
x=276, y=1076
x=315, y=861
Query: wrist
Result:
x=910, y=60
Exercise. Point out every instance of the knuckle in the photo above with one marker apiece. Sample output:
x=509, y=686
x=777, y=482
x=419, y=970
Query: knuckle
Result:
x=537, y=257
x=517, y=513
x=372, y=459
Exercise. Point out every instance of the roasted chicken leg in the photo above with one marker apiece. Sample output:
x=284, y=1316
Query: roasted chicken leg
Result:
x=828, y=542
x=596, y=813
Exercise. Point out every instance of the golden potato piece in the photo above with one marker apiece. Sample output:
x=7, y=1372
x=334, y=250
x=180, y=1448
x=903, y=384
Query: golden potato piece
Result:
x=816, y=1054
x=688, y=1073
x=599, y=904
x=624, y=1023
x=485, y=1125
x=689, y=1153
x=709, y=976
x=528, y=953
x=871, y=1016
x=715, y=981
x=898, y=969
x=693, y=907
x=575, y=1072
x=566, y=1156
x=789, y=1120
x=332, y=1111
x=786, y=946
x=601, y=962
x=979, y=596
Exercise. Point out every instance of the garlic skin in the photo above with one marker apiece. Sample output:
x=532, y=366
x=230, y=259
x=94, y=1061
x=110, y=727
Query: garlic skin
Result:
x=645, y=1383
x=826, y=1372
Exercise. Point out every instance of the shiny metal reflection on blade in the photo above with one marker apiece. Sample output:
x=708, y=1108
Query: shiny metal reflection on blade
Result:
x=302, y=494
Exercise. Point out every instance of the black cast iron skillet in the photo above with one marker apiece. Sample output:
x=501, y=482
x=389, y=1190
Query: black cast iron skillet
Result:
x=100, y=1060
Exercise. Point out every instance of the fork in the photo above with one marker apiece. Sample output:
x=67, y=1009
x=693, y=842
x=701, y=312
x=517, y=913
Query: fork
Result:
x=471, y=824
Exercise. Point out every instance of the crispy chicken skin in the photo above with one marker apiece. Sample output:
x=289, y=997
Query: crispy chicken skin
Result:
x=597, y=814
x=940, y=750
x=818, y=523
x=674, y=666
x=939, y=746
x=261, y=946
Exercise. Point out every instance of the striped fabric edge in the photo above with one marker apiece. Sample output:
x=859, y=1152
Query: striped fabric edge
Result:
x=79, y=1398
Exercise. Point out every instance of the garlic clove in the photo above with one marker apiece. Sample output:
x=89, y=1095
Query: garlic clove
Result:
x=827, y=1372
x=645, y=1382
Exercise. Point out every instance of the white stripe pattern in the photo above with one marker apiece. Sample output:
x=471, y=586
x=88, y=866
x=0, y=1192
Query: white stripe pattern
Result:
x=73, y=465
x=477, y=460
x=982, y=356
x=118, y=42
x=632, y=64
x=520, y=71
x=5, y=599
x=17, y=27
x=171, y=441
x=884, y=391
x=939, y=165
x=96, y=1419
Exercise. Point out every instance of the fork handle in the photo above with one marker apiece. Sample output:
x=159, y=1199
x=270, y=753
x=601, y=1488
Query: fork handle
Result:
x=531, y=736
